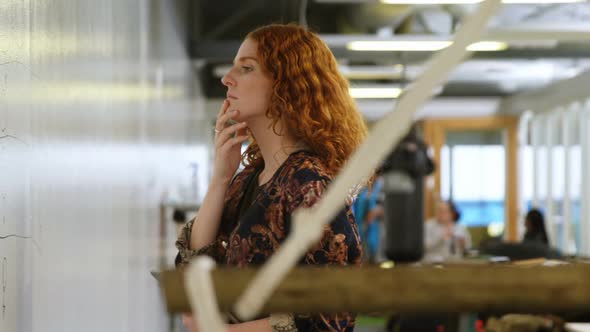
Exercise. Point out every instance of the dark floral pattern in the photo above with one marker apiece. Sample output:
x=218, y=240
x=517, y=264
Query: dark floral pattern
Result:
x=299, y=182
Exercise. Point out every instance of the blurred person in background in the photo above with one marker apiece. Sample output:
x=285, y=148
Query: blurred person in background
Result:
x=444, y=237
x=534, y=224
x=369, y=214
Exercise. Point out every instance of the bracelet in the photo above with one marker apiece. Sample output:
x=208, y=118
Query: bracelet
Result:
x=282, y=323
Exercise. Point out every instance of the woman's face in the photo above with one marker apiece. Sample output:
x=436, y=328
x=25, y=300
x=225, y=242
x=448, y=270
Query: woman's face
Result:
x=248, y=87
x=444, y=215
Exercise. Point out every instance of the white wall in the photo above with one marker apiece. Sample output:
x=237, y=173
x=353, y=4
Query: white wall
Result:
x=98, y=120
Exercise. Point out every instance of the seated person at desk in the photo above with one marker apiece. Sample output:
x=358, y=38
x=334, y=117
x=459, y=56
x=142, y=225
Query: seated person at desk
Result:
x=535, y=243
x=534, y=223
x=443, y=236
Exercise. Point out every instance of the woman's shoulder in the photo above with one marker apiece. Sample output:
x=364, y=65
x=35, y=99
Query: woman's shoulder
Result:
x=302, y=179
x=304, y=166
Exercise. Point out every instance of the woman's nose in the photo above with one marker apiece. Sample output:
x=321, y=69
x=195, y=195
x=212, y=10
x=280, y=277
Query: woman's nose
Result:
x=227, y=80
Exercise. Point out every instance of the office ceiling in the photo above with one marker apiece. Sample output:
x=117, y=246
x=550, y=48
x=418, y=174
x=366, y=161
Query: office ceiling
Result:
x=216, y=28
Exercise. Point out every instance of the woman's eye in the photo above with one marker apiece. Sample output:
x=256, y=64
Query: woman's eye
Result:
x=246, y=68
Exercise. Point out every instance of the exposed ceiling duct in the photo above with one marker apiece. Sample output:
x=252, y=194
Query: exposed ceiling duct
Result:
x=556, y=37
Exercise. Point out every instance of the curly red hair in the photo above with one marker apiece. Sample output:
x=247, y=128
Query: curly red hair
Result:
x=309, y=94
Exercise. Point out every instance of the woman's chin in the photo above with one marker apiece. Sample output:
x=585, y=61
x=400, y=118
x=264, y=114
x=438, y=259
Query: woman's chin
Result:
x=238, y=118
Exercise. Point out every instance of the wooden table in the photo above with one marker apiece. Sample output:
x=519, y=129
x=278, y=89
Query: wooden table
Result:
x=452, y=289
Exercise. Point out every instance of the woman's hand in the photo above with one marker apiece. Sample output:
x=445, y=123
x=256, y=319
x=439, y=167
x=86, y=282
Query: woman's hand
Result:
x=190, y=323
x=461, y=244
x=261, y=325
x=448, y=232
x=228, y=142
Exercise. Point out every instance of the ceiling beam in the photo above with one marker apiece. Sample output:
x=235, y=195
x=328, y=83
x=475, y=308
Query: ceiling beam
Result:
x=560, y=93
x=524, y=42
x=224, y=51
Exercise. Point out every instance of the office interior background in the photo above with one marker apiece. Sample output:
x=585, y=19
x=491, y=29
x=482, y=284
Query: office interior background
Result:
x=106, y=114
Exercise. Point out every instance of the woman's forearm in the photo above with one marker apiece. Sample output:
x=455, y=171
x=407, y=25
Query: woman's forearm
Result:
x=206, y=226
x=261, y=325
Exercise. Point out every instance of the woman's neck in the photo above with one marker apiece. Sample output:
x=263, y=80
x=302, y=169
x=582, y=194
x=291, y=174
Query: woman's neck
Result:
x=275, y=149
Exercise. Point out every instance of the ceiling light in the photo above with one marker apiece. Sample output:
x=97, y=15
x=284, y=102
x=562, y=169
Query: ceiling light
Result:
x=428, y=2
x=440, y=2
x=395, y=45
x=420, y=45
x=541, y=1
x=485, y=46
x=372, y=72
x=375, y=92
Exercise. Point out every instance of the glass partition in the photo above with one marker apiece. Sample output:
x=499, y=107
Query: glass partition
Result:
x=473, y=175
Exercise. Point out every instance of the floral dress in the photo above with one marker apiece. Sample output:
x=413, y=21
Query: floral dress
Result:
x=249, y=234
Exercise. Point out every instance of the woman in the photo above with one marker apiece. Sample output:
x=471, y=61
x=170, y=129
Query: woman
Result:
x=444, y=237
x=535, y=228
x=285, y=93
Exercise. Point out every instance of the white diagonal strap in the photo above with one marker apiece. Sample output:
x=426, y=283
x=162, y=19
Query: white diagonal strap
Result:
x=308, y=225
x=201, y=294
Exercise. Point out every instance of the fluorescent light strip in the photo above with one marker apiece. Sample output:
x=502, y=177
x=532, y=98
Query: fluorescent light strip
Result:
x=444, y=2
x=394, y=45
x=377, y=93
x=428, y=2
x=487, y=46
x=372, y=72
x=541, y=1
x=419, y=45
